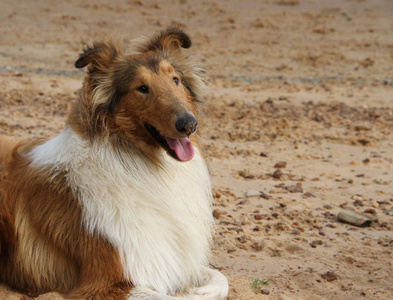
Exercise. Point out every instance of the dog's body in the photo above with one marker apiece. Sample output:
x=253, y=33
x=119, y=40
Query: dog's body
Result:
x=107, y=210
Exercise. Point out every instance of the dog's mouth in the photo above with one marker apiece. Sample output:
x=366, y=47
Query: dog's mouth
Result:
x=180, y=149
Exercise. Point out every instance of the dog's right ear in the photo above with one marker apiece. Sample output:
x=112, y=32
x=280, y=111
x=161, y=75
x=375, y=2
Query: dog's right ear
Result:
x=100, y=56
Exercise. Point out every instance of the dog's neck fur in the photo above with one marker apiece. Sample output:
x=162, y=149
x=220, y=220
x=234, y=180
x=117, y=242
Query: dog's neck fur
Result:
x=157, y=216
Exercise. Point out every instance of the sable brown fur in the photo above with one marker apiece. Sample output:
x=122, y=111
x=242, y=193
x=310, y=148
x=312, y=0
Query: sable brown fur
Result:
x=52, y=249
x=44, y=245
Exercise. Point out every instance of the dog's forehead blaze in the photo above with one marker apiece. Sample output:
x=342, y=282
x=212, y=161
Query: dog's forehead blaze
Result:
x=146, y=75
x=143, y=76
x=166, y=67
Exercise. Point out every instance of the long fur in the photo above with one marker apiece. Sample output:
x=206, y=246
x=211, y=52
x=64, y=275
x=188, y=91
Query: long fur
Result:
x=105, y=210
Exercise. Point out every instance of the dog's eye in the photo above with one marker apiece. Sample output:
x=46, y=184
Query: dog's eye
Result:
x=143, y=89
x=176, y=80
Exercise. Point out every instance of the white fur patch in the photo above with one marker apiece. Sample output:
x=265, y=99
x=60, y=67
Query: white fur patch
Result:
x=158, y=218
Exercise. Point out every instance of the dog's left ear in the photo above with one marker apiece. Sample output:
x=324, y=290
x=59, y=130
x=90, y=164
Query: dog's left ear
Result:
x=171, y=38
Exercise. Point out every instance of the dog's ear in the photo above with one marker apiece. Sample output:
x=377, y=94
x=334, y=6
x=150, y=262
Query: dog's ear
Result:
x=99, y=56
x=100, y=59
x=171, y=38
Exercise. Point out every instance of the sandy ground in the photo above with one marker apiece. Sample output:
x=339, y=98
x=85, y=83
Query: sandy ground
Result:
x=300, y=126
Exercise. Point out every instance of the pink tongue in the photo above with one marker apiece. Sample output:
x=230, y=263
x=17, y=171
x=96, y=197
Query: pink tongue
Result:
x=183, y=148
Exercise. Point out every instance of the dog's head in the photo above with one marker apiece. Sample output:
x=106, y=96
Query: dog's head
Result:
x=148, y=99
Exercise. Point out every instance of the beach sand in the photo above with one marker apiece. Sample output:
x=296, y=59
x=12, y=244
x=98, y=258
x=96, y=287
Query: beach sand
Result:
x=299, y=127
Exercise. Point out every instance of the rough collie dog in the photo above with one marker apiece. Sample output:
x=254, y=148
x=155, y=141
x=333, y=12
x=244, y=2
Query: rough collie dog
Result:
x=117, y=206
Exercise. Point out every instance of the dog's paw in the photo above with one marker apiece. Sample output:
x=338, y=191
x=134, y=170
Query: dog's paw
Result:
x=215, y=288
x=144, y=293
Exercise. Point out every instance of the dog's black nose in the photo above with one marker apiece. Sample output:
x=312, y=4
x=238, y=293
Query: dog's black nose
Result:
x=186, y=124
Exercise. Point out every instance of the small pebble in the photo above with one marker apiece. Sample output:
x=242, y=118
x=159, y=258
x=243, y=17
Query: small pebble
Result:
x=350, y=260
x=342, y=205
x=246, y=175
x=258, y=217
x=383, y=202
x=309, y=195
x=316, y=243
x=295, y=188
x=242, y=239
x=242, y=202
x=277, y=174
x=265, y=196
x=265, y=292
x=370, y=211
x=329, y=276
x=280, y=164
x=216, y=213
x=384, y=224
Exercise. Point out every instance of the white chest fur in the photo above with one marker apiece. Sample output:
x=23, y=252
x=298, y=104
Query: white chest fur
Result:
x=157, y=217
